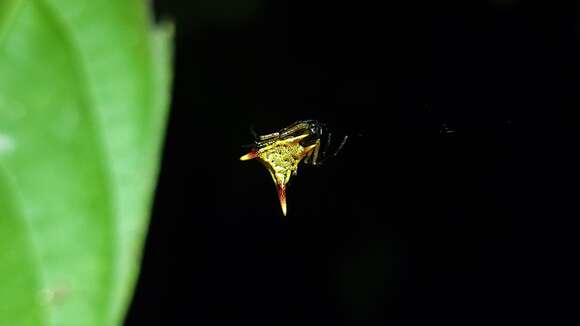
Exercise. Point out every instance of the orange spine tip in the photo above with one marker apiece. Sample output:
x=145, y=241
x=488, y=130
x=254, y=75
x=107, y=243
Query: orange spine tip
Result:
x=249, y=156
x=282, y=197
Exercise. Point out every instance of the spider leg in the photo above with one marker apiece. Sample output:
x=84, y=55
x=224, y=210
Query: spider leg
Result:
x=308, y=157
x=327, y=145
x=337, y=150
x=293, y=128
x=326, y=148
x=341, y=145
x=312, y=153
x=315, y=152
x=269, y=136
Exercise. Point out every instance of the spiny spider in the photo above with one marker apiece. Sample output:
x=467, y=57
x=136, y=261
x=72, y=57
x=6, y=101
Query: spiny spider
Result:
x=281, y=151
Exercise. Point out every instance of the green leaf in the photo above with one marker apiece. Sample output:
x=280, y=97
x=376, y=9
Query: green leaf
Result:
x=84, y=93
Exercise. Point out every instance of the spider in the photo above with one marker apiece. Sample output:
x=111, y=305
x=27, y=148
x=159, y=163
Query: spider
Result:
x=282, y=151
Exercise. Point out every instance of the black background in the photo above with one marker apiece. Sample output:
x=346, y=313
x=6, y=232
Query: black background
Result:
x=452, y=204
